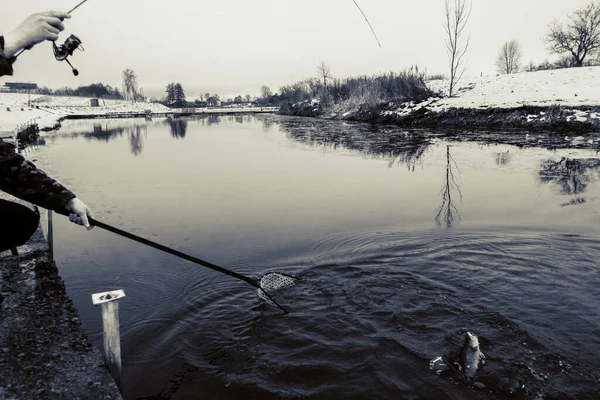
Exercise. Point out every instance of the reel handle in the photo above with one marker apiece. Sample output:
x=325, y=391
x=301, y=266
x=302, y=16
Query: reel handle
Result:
x=75, y=72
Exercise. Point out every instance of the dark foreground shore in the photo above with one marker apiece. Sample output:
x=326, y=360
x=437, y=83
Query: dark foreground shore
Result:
x=44, y=351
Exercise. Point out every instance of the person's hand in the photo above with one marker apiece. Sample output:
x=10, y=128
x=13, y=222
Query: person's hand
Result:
x=79, y=213
x=35, y=29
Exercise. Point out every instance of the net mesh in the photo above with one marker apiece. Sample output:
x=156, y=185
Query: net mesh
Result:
x=270, y=283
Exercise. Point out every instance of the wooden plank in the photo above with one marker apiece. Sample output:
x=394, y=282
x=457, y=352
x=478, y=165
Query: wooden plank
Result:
x=112, y=339
x=110, y=325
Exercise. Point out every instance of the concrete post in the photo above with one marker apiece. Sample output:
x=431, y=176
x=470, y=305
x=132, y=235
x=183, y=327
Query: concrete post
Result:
x=110, y=323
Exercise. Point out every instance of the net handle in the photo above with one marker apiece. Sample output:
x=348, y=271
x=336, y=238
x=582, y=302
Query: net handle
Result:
x=253, y=282
x=174, y=252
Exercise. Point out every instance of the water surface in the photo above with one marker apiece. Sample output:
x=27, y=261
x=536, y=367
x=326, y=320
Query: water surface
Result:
x=402, y=241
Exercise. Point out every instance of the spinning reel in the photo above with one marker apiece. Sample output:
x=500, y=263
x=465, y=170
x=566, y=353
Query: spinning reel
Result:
x=62, y=52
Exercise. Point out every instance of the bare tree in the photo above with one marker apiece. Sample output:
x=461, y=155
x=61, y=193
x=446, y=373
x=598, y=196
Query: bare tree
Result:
x=457, y=16
x=265, y=92
x=324, y=72
x=509, y=58
x=140, y=96
x=581, y=36
x=130, y=86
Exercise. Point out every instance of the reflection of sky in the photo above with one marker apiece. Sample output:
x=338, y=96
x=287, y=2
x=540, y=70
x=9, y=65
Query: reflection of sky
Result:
x=233, y=180
x=232, y=193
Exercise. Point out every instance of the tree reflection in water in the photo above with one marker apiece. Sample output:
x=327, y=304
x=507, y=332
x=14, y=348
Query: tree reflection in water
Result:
x=503, y=158
x=267, y=124
x=102, y=133
x=570, y=176
x=399, y=146
x=447, y=214
x=178, y=127
x=213, y=120
x=137, y=136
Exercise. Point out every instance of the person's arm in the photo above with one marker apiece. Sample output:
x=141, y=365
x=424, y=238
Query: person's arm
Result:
x=24, y=180
x=5, y=62
x=35, y=29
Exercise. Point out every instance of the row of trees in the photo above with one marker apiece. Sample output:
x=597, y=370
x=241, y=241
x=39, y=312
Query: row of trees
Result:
x=369, y=91
x=175, y=95
x=94, y=90
x=574, y=42
x=130, y=91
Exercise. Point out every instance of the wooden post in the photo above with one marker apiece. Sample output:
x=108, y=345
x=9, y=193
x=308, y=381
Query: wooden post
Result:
x=50, y=236
x=110, y=323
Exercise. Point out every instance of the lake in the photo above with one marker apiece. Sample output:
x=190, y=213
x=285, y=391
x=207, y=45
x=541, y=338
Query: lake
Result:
x=401, y=241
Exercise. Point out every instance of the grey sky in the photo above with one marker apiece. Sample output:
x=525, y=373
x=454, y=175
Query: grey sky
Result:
x=235, y=46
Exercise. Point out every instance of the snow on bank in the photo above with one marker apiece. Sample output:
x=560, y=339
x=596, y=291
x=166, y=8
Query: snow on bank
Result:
x=48, y=110
x=572, y=87
x=474, y=98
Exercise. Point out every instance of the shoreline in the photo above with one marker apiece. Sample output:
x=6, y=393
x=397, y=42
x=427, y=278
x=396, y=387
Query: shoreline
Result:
x=47, y=112
x=566, y=100
x=45, y=352
x=555, y=118
x=559, y=119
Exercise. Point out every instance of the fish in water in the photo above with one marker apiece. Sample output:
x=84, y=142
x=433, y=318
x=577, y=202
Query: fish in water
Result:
x=472, y=357
x=463, y=363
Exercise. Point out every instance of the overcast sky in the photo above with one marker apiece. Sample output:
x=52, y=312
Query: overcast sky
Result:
x=235, y=46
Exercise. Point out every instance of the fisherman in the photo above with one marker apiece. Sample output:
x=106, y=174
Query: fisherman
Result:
x=18, y=176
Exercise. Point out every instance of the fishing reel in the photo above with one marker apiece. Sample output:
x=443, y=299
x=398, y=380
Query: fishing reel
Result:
x=64, y=51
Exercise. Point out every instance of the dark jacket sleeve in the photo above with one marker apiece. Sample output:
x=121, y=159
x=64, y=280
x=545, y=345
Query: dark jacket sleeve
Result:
x=24, y=180
x=5, y=63
x=5, y=66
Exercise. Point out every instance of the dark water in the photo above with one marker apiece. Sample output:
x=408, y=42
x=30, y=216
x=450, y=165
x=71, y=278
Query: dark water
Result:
x=402, y=241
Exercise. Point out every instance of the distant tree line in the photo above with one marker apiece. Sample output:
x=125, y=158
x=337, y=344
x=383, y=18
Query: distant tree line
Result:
x=99, y=90
x=355, y=91
x=131, y=90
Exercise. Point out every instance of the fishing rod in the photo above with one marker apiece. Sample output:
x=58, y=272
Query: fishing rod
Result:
x=77, y=6
x=65, y=50
x=267, y=284
x=367, y=19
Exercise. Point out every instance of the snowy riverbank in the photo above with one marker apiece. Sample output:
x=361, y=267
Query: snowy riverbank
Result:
x=48, y=111
x=566, y=99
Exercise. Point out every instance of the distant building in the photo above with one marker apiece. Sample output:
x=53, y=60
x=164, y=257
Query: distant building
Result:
x=19, y=86
x=213, y=102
